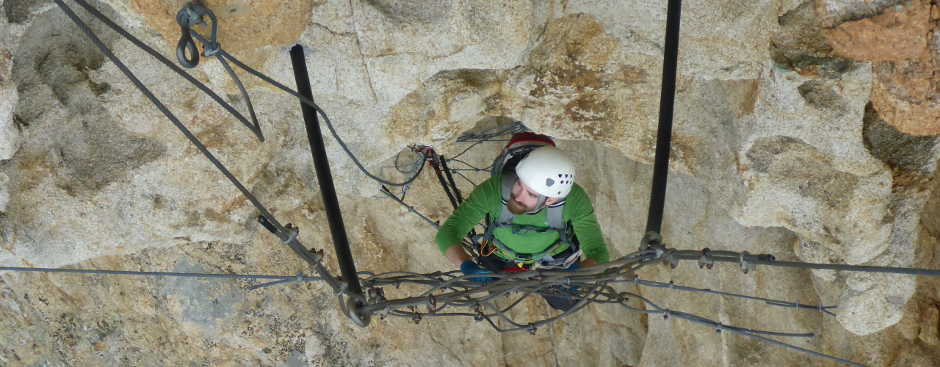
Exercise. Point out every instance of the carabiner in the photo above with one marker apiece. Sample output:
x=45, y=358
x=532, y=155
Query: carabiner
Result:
x=192, y=14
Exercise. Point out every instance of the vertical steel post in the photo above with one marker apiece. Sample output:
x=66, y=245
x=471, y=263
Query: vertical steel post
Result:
x=654, y=220
x=322, y=165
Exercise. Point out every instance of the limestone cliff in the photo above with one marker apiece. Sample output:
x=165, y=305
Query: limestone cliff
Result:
x=803, y=128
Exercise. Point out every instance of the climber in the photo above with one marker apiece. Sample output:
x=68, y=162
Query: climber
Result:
x=536, y=217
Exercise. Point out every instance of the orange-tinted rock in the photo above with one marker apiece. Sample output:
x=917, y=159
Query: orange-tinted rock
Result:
x=896, y=34
x=245, y=27
x=905, y=95
x=833, y=12
x=898, y=41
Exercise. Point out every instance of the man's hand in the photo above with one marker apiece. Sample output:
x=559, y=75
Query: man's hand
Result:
x=457, y=255
x=469, y=268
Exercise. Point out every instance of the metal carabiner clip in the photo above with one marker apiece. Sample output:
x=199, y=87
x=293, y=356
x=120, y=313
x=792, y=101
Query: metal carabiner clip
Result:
x=190, y=15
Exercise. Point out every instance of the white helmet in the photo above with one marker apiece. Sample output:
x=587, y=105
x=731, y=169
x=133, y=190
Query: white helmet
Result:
x=547, y=171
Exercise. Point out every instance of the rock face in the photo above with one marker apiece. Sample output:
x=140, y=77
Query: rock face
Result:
x=803, y=129
x=901, y=43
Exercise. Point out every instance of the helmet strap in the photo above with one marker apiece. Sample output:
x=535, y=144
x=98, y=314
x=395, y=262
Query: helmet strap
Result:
x=539, y=204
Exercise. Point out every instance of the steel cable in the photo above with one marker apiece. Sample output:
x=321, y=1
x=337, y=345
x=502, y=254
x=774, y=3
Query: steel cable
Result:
x=463, y=292
x=287, y=236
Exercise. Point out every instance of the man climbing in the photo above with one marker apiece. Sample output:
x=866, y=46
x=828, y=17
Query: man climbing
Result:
x=536, y=217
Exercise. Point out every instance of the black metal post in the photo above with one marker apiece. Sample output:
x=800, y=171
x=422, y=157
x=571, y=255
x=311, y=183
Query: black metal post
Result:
x=654, y=220
x=322, y=165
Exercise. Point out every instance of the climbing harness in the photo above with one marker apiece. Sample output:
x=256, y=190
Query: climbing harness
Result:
x=555, y=223
x=444, y=291
x=522, y=143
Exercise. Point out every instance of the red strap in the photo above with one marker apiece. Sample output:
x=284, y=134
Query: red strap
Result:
x=529, y=138
x=514, y=269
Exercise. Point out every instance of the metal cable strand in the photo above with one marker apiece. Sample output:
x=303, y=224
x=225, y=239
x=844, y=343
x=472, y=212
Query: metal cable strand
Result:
x=800, y=349
x=329, y=123
x=299, y=277
x=288, y=237
x=238, y=82
x=466, y=149
x=223, y=54
x=410, y=208
x=472, y=167
x=179, y=71
x=465, y=178
x=460, y=290
x=415, y=165
x=598, y=293
x=769, y=301
x=750, y=259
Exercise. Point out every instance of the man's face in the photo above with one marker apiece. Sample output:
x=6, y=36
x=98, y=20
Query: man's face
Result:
x=523, y=199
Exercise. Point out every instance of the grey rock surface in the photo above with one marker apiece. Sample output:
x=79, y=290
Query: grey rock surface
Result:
x=777, y=148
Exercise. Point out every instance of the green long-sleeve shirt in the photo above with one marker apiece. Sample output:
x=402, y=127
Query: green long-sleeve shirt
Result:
x=485, y=199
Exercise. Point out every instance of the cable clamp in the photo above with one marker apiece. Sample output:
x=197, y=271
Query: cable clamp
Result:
x=292, y=233
x=652, y=241
x=744, y=258
x=706, y=261
x=432, y=303
x=532, y=329
x=317, y=254
x=478, y=314
x=212, y=48
x=376, y=295
x=670, y=258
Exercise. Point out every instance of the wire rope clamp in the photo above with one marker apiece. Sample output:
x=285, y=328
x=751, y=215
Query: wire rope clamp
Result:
x=745, y=259
x=478, y=314
x=376, y=294
x=432, y=304
x=652, y=241
x=415, y=317
x=317, y=254
x=706, y=261
x=355, y=313
x=670, y=258
x=292, y=233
